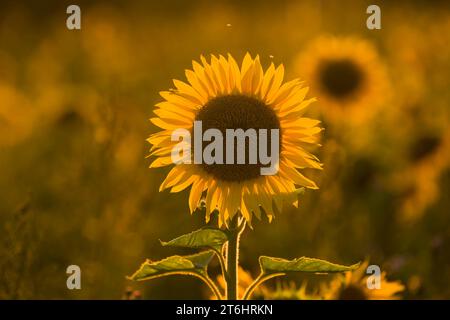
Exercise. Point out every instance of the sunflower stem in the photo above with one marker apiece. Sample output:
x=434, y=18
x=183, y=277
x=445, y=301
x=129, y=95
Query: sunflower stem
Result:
x=212, y=286
x=221, y=258
x=235, y=229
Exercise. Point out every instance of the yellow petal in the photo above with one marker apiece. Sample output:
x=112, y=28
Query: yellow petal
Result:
x=172, y=117
x=186, y=90
x=235, y=73
x=298, y=96
x=209, y=74
x=219, y=74
x=183, y=112
x=195, y=195
x=295, y=176
x=204, y=78
x=297, y=110
x=179, y=100
x=169, y=124
x=181, y=185
x=286, y=91
x=257, y=75
x=229, y=81
x=173, y=177
x=267, y=81
x=276, y=83
x=246, y=63
x=198, y=85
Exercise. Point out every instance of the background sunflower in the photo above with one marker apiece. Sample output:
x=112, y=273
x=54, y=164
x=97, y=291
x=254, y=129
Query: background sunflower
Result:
x=353, y=286
x=346, y=72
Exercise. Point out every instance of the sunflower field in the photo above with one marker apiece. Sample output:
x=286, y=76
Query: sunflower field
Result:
x=87, y=177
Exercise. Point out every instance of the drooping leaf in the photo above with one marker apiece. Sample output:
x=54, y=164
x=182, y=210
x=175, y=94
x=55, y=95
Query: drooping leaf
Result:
x=270, y=265
x=203, y=238
x=195, y=264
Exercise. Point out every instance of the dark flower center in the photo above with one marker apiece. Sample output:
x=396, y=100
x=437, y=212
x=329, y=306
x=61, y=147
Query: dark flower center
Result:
x=340, y=78
x=424, y=147
x=352, y=292
x=237, y=112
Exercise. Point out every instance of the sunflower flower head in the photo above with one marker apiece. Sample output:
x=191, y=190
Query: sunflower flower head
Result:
x=222, y=96
x=347, y=75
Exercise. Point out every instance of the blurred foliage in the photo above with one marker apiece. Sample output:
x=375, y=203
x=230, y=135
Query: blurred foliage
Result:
x=74, y=109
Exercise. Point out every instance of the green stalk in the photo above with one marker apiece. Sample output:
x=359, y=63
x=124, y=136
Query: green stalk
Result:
x=223, y=268
x=212, y=286
x=235, y=230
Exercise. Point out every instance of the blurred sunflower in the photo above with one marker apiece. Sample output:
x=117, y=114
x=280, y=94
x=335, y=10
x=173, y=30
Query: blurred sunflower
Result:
x=353, y=286
x=289, y=291
x=347, y=75
x=17, y=116
x=429, y=156
x=223, y=96
x=282, y=291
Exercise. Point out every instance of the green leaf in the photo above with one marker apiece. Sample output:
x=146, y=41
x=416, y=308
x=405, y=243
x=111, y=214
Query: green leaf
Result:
x=270, y=265
x=203, y=238
x=195, y=264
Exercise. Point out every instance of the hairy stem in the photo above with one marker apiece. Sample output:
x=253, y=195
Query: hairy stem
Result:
x=212, y=286
x=235, y=229
x=221, y=258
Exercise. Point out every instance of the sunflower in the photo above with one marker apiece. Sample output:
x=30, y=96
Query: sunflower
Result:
x=353, y=286
x=347, y=75
x=429, y=157
x=290, y=291
x=223, y=96
x=282, y=291
x=18, y=118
